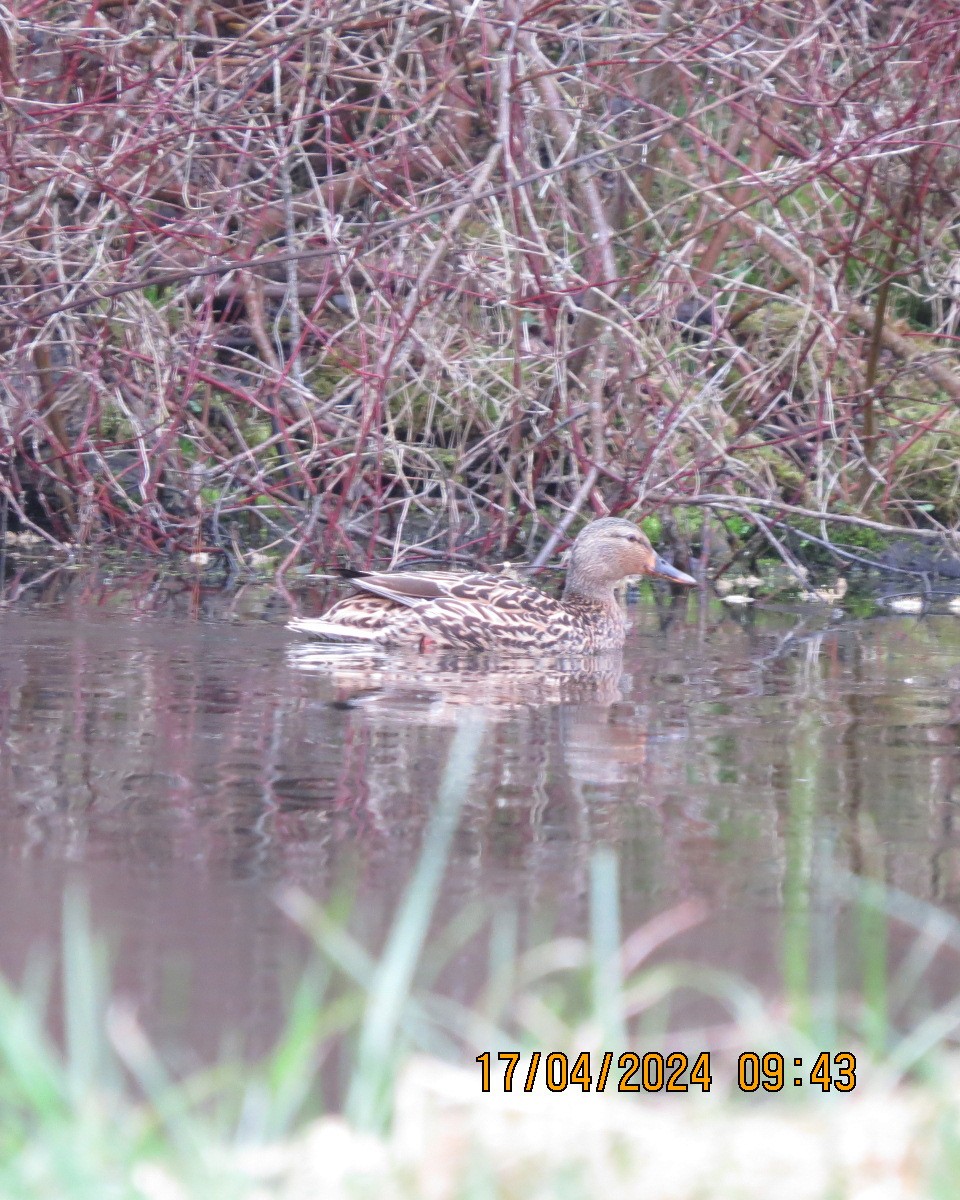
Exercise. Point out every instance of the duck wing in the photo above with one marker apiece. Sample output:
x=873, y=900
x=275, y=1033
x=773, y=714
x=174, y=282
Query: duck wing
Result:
x=457, y=609
x=411, y=587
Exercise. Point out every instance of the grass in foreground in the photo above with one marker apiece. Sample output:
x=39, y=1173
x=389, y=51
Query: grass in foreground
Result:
x=97, y=1115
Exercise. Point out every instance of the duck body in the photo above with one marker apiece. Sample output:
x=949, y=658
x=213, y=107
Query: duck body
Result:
x=476, y=611
x=465, y=611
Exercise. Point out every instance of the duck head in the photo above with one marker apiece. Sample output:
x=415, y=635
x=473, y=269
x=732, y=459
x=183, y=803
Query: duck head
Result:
x=611, y=550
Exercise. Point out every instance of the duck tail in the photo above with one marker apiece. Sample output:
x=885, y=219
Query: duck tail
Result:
x=332, y=631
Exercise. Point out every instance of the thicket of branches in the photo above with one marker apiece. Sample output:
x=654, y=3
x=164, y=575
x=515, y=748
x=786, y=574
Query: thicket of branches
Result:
x=353, y=275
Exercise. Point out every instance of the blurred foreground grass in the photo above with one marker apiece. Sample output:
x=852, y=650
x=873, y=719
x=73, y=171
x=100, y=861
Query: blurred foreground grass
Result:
x=94, y=1114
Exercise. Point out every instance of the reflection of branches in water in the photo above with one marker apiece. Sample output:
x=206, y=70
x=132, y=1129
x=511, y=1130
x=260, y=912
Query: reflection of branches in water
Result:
x=671, y=606
x=792, y=640
x=20, y=583
x=785, y=644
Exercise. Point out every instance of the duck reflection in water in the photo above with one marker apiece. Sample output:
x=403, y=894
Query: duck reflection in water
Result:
x=562, y=716
x=437, y=687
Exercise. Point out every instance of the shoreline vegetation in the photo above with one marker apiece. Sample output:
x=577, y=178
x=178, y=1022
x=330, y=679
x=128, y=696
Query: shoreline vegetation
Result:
x=420, y=283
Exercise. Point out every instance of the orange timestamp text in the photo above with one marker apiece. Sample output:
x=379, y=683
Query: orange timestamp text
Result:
x=631, y=1071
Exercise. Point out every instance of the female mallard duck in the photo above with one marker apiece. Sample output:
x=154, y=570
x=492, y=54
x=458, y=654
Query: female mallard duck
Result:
x=472, y=611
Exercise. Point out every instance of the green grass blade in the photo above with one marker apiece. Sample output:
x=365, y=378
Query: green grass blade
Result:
x=367, y=1100
x=605, y=945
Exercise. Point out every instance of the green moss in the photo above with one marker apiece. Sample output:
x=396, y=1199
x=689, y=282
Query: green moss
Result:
x=851, y=536
x=739, y=527
x=256, y=431
x=268, y=506
x=687, y=522
x=925, y=473
x=114, y=426
x=787, y=475
x=860, y=605
x=325, y=379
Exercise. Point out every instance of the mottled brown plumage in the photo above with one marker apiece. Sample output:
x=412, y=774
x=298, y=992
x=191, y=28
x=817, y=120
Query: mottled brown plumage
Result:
x=475, y=611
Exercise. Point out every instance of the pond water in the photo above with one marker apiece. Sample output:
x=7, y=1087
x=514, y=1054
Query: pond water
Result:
x=174, y=750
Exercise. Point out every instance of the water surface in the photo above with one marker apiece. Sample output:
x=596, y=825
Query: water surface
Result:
x=175, y=751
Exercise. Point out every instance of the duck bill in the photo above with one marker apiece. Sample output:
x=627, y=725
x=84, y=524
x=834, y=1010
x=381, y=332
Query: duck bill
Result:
x=663, y=570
